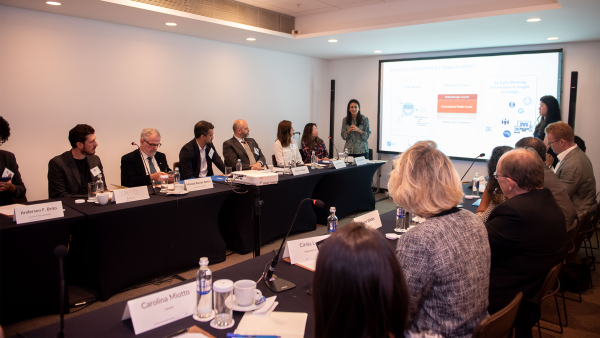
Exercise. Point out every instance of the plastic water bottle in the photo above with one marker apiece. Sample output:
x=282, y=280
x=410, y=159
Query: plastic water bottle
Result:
x=176, y=175
x=204, y=300
x=400, y=219
x=332, y=221
x=476, y=186
x=313, y=160
x=99, y=184
x=238, y=165
x=346, y=155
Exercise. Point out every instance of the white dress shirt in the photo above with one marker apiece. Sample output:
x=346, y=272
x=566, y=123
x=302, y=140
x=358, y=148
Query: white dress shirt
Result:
x=285, y=154
x=562, y=156
x=203, y=163
x=146, y=165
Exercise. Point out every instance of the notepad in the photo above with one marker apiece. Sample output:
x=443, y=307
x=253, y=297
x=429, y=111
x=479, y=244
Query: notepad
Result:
x=284, y=324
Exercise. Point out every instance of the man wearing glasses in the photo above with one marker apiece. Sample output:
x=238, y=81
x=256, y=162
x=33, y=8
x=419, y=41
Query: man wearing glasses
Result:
x=146, y=164
x=574, y=169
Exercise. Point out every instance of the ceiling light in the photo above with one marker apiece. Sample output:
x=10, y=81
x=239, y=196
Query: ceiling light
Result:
x=251, y=39
x=377, y=51
x=534, y=20
x=53, y=3
x=553, y=38
x=332, y=40
x=170, y=24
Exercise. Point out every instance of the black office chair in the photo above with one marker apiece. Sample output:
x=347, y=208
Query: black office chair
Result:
x=547, y=291
x=500, y=324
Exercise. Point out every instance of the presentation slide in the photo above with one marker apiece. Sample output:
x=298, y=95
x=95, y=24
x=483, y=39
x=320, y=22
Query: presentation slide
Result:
x=468, y=105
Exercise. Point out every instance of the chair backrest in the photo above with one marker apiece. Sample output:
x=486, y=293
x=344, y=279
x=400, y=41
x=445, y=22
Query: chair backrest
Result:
x=176, y=165
x=500, y=323
x=274, y=160
x=550, y=281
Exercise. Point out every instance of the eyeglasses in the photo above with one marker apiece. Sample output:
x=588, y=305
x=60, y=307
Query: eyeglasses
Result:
x=157, y=145
x=496, y=175
x=550, y=143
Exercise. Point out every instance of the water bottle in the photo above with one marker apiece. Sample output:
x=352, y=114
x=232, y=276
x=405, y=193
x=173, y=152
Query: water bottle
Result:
x=204, y=307
x=176, y=175
x=313, y=160
x=99, y=184
x=238, y=165
x=476, y=186
x=346, y=155
x=400, y=219
x=332, y=221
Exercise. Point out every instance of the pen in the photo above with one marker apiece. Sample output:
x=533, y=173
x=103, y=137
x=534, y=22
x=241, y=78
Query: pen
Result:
x=234, y=335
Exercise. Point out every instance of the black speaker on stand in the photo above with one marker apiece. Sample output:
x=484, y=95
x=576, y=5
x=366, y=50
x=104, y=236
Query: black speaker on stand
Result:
x=331, y=119
x=573, y=99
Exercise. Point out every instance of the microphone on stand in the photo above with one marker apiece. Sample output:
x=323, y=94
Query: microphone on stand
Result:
x=60, y=252
x=278, y=284
x=135, y=144
x=334, y=147
x=478, y=156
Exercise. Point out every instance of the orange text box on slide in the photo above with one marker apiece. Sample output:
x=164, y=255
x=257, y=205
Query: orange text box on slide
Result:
x=457, y=103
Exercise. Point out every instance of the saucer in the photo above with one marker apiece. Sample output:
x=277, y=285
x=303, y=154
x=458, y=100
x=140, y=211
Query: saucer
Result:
x=207, y=319
x=213, y=324
x=236, y=307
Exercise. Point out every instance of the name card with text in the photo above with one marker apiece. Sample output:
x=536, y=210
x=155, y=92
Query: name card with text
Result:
x=360, y=160
x=158, y=309
x=371, y=220
x=301, y=170
x=303, y=250
x=38, y=212
x=339, y=164
x=198, y=184
x=131, y=194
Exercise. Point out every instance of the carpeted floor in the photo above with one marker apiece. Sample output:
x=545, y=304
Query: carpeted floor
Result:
x=584, y=317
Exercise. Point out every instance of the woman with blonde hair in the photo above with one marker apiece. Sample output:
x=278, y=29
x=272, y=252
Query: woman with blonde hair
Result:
x=445, y=259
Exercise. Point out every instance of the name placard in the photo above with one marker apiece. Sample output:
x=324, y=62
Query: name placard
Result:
x=131, y=194
x=301, y=170
x=38, y=212
x=158, y=309
x=360, y=160
x=302, y=250
x=198, y=184
x=371, y=220
x=339, y=164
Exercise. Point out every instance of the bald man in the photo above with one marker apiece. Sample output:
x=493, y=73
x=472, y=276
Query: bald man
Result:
x=240, y=146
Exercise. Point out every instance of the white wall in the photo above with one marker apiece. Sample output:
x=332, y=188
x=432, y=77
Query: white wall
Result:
x=358, y=78
x=57, y=71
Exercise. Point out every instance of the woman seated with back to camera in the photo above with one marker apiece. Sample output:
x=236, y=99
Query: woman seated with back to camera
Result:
x=492, y=195
x=358, y=286
x=312, y=142
x=285, y=148
x=445, y=259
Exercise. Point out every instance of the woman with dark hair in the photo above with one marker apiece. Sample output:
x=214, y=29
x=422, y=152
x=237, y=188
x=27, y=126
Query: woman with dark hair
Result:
x=312, y=142
x=285, y=148
x=356, y=131
x=11, y=185
x=492, y=196
x=549, y=113
x=358, y=286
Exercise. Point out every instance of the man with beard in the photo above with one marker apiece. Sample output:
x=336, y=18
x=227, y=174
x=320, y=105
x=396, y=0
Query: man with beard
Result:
x=197, y=156
x=240, y=146
x=70, y=172
x=146, y=164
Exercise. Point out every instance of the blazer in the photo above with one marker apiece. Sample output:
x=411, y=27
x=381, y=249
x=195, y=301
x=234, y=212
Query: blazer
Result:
x=8, y=160
x=63, y=175
x=233, y=150
x=133, y=168
x=189, y=160
x=560, y=195
x=576, y=174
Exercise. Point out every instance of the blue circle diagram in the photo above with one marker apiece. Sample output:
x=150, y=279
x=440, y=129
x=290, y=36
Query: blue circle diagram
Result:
x=408, y=109
x=512, y=104
x=506, y=133
x=389, y=143
x=521, y=110
x=527, y=101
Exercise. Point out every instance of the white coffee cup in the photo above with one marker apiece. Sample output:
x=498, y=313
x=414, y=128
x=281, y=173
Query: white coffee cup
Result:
x=102, y=198
x=245, y=292
x=179, y=188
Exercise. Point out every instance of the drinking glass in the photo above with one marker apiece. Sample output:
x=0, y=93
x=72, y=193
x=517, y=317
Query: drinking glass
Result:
x=228, y=171
x=92, y=189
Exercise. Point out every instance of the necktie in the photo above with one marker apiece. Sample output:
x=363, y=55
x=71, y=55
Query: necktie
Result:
x=151, y=166
x=249, y=153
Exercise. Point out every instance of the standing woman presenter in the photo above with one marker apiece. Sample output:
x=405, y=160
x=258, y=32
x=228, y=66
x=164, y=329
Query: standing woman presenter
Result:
x=549, y=113
x=356, y=131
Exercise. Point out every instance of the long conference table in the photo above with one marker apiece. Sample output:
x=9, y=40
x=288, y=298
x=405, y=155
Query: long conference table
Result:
x=115, y=246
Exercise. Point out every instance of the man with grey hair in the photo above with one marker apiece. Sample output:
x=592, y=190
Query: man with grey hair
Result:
x=527, y=236
x=146, y=164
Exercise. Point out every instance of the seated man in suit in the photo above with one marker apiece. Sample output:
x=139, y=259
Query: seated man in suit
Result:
x=574, y=169
x=240, y=146
x=551, y=181
x=527, y=236
x=70, y=172
x=12, y=187
x=141, y=167
x=197, y=156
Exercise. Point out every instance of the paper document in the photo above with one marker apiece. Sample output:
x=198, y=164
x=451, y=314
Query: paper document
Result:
x=284, y=324
x=9, y=210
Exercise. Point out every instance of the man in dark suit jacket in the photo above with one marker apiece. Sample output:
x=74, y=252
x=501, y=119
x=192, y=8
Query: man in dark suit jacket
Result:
x=14, y=187
x=240, y=146
x=140, y=167
x=192, y=162
x=70, y=172
x=527, y=236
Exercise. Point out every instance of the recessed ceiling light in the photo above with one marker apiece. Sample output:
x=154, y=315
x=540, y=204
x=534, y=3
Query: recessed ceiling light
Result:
x=378, y=51
x=53, y=3
x=170, y=24
x=251, y=39
x=553, y=38
x=534, y=20
x=332, y=40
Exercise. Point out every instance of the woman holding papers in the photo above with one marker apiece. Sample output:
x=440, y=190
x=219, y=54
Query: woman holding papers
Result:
x=492, y=195
x=11, y=185
x=358, y=287
x=445, y=259
x=285, y=148
x=356, y=131
x=312, y=142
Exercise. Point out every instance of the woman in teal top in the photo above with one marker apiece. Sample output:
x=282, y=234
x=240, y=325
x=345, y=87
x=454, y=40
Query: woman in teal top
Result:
x=356, y=131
